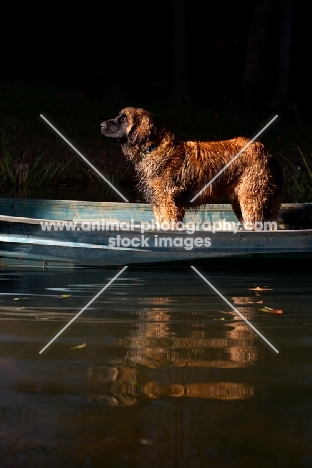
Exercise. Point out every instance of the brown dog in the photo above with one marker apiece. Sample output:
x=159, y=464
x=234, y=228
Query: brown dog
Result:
x=172, y=172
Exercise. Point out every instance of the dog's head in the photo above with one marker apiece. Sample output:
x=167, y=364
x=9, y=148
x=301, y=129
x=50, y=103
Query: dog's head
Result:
x=134, y=127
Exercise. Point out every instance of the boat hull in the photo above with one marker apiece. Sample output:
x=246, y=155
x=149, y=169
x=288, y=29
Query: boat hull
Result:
x=72, y=233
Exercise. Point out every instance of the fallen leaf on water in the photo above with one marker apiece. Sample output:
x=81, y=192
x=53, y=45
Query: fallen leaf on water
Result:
x=62, y=296
x=83, y=345
x=219, y=318
x=270, y=310
x=257, y=288
x=20, y=298
x=265, y=309
x=146, y=442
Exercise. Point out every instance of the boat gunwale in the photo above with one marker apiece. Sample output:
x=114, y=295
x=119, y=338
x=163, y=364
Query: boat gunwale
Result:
x=78, y=222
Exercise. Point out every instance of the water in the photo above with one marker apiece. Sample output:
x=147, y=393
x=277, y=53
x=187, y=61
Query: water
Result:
x=158, y=372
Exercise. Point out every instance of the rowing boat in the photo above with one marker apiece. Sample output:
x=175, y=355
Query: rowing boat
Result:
x=97, y=234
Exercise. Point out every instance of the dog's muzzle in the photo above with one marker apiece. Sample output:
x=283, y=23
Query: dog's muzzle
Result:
x=103, y=127
x=109, y=128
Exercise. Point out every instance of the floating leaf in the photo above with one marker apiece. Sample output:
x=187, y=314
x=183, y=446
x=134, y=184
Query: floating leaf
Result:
x=20, y=298
x=64, y=296
x=83, y=345
x=146, y=442
x=257, y=288
x=270, y=310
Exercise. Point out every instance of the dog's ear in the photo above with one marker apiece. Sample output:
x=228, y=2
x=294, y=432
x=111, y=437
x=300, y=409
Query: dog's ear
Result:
x=143, y=128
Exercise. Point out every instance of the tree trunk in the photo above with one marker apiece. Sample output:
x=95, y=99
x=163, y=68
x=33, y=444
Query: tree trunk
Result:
x=256, y=40
x=181, y=90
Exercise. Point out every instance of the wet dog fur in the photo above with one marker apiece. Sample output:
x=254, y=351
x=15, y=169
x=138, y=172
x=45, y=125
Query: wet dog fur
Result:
x=171, y=172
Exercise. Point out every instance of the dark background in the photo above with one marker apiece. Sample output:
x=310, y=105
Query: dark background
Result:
x=208, y=70
x=97, y=44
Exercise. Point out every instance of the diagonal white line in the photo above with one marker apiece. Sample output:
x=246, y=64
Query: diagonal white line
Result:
x=84, y=308
x=235, y=310
x=235, y=157
x=84, y=158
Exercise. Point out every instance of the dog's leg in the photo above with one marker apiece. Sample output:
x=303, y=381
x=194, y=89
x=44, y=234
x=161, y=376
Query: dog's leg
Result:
x=258, y=214
x=163, y=199
x=259, y=210
x=157, y=215
x=168, y=212
x=237, y=209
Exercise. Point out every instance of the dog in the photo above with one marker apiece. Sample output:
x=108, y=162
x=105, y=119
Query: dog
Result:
x=171, y=172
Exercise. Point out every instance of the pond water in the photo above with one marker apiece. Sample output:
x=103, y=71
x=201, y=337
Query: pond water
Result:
x=159, y=371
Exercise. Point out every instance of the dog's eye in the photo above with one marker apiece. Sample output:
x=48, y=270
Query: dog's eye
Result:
x=123, y=118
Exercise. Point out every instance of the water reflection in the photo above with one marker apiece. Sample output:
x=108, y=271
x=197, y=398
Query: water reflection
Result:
x=169, y=360
x=167, y=351
x=157, y=371
x=155, y=364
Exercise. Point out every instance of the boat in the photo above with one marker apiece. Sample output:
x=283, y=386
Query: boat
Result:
x=59, y=233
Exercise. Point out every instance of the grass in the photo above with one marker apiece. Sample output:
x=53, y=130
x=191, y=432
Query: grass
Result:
x=37, y=175
x=102, y=187
x=298, y=179
x=19, y=173
x=7, y=169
